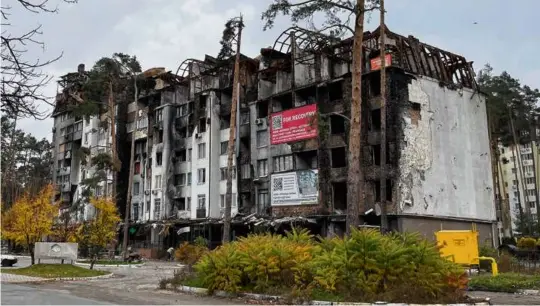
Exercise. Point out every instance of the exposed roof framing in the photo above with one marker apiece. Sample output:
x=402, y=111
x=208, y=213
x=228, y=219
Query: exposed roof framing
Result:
x=423, y=59
x=187, y=66
x=303, y=39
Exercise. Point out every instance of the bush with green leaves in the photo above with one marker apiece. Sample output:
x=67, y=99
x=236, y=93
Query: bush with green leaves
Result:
x=505, y=282
x=366, y=266
x=262, y=262
x=526, y=243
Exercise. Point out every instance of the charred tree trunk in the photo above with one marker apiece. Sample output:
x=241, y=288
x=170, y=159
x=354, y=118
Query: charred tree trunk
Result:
x=355, y=179
x=384, y=217
x=112, y=117
x=127, y=212
x=232, y=136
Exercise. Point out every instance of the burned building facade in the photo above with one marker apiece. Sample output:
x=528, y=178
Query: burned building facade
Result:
x=437, y=143
x=291, y=144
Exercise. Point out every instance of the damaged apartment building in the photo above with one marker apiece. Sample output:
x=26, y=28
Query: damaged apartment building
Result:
x=291, y=143
x=438, y=154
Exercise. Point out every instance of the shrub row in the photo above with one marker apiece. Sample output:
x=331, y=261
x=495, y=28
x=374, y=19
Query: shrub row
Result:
x=366, y=266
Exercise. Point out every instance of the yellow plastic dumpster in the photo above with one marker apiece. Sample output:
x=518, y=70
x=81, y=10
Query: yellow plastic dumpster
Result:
x=459, y=246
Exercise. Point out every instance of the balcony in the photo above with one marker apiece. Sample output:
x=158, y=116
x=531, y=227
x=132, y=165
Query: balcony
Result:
x=527, y=162
x=201, y=213
x=66, y=187
x=183, y=121
x=525, y=150
x=63, y=170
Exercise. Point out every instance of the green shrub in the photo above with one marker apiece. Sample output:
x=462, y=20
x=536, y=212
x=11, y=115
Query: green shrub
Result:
x=264, y=262
x=189, y=254
x=505, y=282
x=487, y=251
x=366, y=266
x=526, y=243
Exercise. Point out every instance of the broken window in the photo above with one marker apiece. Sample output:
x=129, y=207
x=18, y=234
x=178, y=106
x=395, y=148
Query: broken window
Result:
x=202, y=150
x=283, y=163
x=222, y=199
x=335, y=91
x=157, y=182
x=339, y=195
x=262, y=167
x=224, y=147
x=224, y=173
x=377, y=192
x=375, y=120
x=262, y=138
x=159, y=158
x=181, y=155
x=157, y=209
x=307, y=160
x=375, y=87
x=202, y=104
x=135, y=211
x=337, y=125
x=284, y=102
x=224, y=122
x=159, y=115
x=263, y=198
x=180, y=179
x=201, y=201
x=245, y=171
x=244, y=117
x=202, y=125
x=262, y=109
x=201, y=176
x=339, y=157
x=414, y=113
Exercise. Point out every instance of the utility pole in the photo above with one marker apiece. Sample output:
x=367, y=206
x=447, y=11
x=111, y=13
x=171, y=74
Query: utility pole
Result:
x=520, y=166
x=131, y=169
x=382, y=185
x=232, y=134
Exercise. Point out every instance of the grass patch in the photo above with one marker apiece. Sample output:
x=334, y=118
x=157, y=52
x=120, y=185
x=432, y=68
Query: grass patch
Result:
x=54, y=271
x=110, y=262
x=321, y=295
x=504, y=282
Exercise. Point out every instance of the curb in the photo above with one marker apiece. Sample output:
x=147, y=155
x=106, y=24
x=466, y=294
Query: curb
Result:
x=263, y=297
x=107, y=266
x=44, y=280
x=529, y=292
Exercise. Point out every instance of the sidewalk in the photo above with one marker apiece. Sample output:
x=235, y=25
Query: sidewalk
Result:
x=14, y=278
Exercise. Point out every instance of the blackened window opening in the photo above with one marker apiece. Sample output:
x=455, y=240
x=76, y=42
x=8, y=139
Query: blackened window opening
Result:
x=339, y=157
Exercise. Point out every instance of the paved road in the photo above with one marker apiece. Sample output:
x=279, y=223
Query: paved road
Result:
x=130, y=285
x=23, y=295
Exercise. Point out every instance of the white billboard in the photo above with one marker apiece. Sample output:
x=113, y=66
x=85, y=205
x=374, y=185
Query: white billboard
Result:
x=295, y=188
x=56, y=250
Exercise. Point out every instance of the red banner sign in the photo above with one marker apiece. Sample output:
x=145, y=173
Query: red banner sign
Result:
x=293, y=124
x=376, y=62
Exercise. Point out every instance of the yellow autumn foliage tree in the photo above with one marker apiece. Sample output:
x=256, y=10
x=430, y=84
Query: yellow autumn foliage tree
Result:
x=30, y=219
x=97, y=233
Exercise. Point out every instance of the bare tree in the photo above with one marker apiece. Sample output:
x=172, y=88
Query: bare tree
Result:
x=232, y=32
x=23, y=78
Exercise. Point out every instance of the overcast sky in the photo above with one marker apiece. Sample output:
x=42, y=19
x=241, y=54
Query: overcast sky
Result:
x=163, y=33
